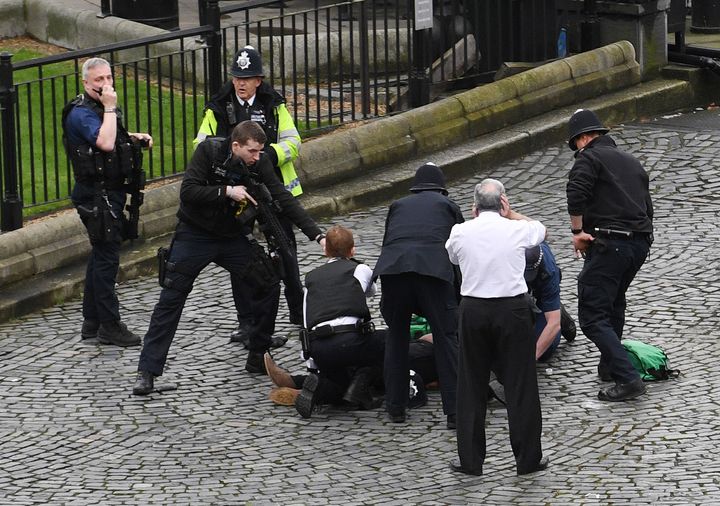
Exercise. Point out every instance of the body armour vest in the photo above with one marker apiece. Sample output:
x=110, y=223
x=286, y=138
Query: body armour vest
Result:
x=91, y=165
x=333, y=291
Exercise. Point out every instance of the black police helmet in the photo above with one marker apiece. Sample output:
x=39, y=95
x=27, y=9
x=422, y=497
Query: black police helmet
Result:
x=247, y=63
x=583, y=121
x=429, y=177
x=533, y=257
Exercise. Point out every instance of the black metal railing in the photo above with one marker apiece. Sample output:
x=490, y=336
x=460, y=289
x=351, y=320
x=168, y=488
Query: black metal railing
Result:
x=336, y=62
x=162, y=88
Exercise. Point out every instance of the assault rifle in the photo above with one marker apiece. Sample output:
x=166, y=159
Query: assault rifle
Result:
x=236, y=172
x=134, y=186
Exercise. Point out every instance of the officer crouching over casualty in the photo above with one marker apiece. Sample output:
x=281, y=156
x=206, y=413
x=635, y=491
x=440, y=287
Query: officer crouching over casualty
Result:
x=341, y=338
x=106, y=162
x=225, y=184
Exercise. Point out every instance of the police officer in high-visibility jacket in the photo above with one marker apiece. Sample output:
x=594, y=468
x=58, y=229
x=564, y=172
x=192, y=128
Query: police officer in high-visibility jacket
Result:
x=247, y=97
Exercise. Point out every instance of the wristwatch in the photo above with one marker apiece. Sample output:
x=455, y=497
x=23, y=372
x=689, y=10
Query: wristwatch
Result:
x=576, y=231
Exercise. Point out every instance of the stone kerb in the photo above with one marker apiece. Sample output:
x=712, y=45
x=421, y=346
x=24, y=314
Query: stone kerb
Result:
x=12, y=18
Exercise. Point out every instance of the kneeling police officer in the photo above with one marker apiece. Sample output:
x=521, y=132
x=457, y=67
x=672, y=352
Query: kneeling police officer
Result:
x=215, y=214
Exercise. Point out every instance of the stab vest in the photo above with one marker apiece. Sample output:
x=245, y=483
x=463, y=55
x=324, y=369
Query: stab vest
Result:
x=333, y=291
x=91, y=165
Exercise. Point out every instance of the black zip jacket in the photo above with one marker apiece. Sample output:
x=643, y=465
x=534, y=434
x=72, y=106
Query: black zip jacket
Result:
x=609, y=189
x=202, y=194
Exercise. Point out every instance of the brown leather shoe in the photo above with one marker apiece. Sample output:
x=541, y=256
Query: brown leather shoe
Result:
x=279, y=376
x=284, y=396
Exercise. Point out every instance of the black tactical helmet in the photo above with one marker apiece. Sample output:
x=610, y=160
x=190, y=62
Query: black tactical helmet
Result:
x=583, y=121
x=247, y=63
x=429, y=177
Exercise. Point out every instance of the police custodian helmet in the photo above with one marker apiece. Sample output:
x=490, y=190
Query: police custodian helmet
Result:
x=429, y=177
x=583, y=121
x=247, y=63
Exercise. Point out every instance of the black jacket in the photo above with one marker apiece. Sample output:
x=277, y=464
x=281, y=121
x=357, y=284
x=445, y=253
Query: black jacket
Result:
x=333, y=291
x=416, y=229
x=202, y=194
x=609, y=189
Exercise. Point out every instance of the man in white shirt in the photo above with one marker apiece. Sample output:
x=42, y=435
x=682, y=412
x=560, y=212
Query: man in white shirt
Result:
x=496, y=328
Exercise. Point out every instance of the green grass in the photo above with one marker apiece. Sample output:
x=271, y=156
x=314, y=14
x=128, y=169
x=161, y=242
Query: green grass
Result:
x=46, y=177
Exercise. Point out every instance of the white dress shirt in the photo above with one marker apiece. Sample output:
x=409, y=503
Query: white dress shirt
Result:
x=490, y=251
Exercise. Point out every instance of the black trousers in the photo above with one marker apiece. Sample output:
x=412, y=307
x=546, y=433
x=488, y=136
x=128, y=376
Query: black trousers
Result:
x=610, y=266
x=339, y=356
x=433, y=298
x=194, y=249
x=100, y=302
x=497, y=335
x=244, y=306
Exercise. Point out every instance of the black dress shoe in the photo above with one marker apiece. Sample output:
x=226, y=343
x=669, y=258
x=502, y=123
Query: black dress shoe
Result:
x=397, y=416
x=305, y=402
x=255, y=364
x=89, y=329
x=359, y=393
x=622, y=391
x=457, y=467
x=451, y=422
x=241, y=334
x=144, y=384
x=541, y=466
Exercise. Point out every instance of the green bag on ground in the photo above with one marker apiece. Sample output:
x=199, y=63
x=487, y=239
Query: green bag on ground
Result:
x=418, y=327
x=650, y=361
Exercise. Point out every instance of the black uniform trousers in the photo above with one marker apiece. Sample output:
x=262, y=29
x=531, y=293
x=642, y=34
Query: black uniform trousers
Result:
x=435, y=299
x=339, y=356
x=100, y=302
x=497, y=335
x=192, y=250
x=291, y=280
x=610, y=266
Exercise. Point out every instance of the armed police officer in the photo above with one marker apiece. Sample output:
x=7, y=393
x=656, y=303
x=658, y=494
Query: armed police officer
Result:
x=106, y=161
x=247, y=97
x=227, y=183
x=611, y=217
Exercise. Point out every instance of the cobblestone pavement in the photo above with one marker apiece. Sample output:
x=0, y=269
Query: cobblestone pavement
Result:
x=70, y=431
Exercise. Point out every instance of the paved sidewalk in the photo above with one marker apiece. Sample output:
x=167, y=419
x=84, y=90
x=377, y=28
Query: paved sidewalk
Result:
x=71, y=433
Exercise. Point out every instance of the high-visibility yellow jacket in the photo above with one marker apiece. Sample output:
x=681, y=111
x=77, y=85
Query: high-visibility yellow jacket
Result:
x=223, y=112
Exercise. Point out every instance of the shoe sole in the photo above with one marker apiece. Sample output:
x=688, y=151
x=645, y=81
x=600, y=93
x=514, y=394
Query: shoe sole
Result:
x=306, y=399
x=104, y=340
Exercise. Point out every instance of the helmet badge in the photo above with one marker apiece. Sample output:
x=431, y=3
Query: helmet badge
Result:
x=243, y=60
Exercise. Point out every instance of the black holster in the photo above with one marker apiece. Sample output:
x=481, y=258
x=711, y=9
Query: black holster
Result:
x=163, y=255
x=260, y=271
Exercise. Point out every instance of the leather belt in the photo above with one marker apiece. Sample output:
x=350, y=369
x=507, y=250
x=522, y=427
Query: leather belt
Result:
x=330, y=330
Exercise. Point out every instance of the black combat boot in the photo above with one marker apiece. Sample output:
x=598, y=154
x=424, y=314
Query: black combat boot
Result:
x=89, y=329
x=305, y=402
x=359, y=392
x=117, y=333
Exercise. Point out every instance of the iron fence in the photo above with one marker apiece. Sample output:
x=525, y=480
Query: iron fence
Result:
x=161, y=86
x=334, y=62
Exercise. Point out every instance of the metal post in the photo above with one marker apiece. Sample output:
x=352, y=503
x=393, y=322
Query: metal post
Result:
x=214, y=47
x=590, y=27
x=364, y=61
x=419, y=73
x=12, y=201
x=202, y=12
x=419, y=79
x=105, y=10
